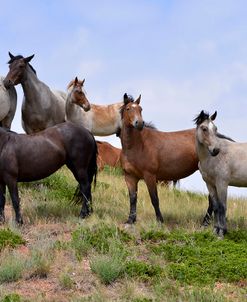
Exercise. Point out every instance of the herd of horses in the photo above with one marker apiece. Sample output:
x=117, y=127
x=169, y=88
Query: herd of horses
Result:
x=60, y=129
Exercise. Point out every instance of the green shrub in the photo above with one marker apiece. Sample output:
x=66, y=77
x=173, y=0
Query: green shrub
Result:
x=142, y=270
x=11, y=298
x=9, y=238
x=98, y=237
x=107, y=268
x=11, y=268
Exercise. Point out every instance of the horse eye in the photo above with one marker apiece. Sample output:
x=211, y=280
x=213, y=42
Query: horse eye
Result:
x=204, y=129
x=128, y=108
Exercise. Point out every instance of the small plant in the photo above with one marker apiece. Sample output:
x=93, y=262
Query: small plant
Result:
x=11, y=267
x=39, y=264
x=65, y=281
x=107, y=268
x=9, y=238
x=11, y=298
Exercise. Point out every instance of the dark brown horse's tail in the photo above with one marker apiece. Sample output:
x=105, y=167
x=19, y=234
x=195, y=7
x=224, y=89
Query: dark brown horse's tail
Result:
x=93, y=168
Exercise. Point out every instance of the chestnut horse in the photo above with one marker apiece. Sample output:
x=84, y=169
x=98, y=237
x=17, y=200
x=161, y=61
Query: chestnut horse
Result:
x=100, y=120
x=8, y=100
x=107, y=155
x=25, y=158
x=41, y=107
x=152, y=155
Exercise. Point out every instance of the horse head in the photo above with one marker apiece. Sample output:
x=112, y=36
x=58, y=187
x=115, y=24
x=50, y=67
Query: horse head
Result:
x=17, y=70
x=131, y=112
x=78, y=94
x=206, y=132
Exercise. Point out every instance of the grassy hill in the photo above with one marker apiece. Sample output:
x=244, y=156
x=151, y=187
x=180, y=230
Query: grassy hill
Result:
x=56, y=256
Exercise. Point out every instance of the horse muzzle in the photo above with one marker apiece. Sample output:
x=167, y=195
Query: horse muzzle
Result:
x=139, y=125
x=214, y=151
x=7, y=83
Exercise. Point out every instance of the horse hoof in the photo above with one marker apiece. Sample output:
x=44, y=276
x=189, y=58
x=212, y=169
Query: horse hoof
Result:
x=130, y=221
x=2, y=219
x=160, y=219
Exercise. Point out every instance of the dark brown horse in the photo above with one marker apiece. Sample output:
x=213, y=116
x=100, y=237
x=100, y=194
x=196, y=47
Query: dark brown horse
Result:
x=107, y=155
x=152, y=155
x=25, y=158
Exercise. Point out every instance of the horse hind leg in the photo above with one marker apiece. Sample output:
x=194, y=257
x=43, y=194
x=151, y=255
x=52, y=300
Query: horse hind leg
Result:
x=2, y=202
x=208, y=217
x=13, y=190
x=150, y=181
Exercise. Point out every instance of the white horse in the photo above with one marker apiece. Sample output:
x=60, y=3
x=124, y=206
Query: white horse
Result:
x=41, y=107
x=101, y=120
x=222, y=163
x=8, y=100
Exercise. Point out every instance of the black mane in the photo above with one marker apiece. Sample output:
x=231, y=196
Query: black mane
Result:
x=219, y=135
x=201, y=118
x=18, y=57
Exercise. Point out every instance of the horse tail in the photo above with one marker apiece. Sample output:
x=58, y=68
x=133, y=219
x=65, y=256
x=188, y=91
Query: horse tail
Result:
x=92, y=167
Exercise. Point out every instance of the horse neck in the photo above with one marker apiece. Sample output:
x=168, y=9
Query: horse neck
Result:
x=31, y=85
x=131, y=138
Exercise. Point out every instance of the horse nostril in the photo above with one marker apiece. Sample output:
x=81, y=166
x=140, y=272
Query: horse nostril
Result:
x=215, y=151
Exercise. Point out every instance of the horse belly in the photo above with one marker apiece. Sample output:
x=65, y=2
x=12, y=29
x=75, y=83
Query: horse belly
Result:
x=40, y=167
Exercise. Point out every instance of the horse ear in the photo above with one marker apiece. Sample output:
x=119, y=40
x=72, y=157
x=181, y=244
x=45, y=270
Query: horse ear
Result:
x=138, y=100
x=10, y=55
x=126, y=99
x=82, y=83
x=28, y=59
x=213, y=116
x=75, y=81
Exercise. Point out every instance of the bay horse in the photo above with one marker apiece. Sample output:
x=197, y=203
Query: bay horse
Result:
x=8, y=101
x=41, y=107
x=107, y=155
x=223, y=163
x=152, y=155
x=25, y=158
x=100, y=120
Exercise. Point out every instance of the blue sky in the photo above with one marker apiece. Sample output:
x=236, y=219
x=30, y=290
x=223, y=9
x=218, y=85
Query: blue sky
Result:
x=182, y=56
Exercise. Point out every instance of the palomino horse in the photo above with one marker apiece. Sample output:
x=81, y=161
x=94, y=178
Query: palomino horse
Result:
x=41, y=107
x=152, y=155
x=107, y=155
x=223, y=163
x=25, y=158
x=101, y=120
x=8, y=100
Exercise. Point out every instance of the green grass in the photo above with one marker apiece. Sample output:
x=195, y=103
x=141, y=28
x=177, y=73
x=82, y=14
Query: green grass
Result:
x=106, y=260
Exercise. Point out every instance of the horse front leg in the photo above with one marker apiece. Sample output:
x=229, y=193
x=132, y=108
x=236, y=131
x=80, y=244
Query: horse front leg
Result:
x=2, y=202
x=207, y=218
x=13, y=191
x=131, y=183
x=150, y=181
x=221, y=210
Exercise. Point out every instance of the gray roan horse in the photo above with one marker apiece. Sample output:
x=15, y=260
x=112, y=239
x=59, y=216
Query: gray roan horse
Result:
x=25, y=158
x=223, y=163
x=41, y=107
x=8, y=100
